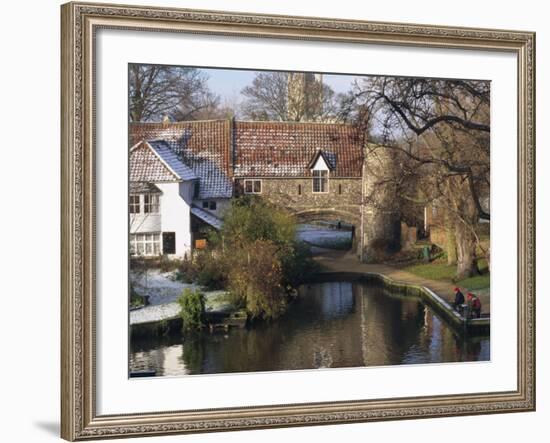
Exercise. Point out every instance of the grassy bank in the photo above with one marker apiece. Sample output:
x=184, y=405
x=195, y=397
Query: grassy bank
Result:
x=441, y=271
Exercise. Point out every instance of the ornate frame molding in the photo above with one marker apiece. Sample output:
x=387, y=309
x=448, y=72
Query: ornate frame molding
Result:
x=79, y=22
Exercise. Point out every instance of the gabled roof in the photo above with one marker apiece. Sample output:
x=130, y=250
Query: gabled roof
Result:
x=204, y=146
x=218, y=150
x=155, y=162
x=328, y=158
x=286, y=149
x=183, y=171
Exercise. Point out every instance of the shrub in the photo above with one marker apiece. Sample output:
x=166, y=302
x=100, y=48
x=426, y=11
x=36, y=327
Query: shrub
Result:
x=136, y=300
x=250, y=219
x=255, y=256
x=168, y=264
x=192, y=304
x=255, y=277
x=297, y=262
x=210, y=271
x=206, y=268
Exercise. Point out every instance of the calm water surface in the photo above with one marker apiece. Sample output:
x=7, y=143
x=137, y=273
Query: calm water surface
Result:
x=337, y=324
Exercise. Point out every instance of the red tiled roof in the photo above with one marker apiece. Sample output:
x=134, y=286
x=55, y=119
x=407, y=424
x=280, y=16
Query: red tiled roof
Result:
x=285, y=149
x=145, y=166
x=217, y=150
x=204, y=146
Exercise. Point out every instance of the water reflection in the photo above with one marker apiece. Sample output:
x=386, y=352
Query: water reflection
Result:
x=337, y=324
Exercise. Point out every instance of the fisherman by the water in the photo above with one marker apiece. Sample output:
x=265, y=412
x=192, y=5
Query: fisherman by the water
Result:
x=459, y=299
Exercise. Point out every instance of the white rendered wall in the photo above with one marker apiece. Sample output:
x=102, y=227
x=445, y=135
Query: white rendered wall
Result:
x=222, y=204
x=175, y=214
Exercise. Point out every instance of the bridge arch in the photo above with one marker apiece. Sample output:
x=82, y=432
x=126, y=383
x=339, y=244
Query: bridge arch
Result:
x=334, y=215
x=329, y=214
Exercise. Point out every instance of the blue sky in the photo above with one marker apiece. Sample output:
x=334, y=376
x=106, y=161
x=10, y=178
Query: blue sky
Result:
x=228, y=83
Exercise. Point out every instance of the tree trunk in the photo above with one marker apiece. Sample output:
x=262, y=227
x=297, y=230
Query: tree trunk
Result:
x=466, y=252
x=451, y=243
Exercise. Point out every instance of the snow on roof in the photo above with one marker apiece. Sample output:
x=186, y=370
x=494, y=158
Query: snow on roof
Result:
x=147, y=166
x=206, y=217
x=205, y=146
x=164, y=151
x=287, y=149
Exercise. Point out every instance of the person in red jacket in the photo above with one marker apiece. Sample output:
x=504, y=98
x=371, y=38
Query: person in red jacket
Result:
x=476, y=306
x=469, y=302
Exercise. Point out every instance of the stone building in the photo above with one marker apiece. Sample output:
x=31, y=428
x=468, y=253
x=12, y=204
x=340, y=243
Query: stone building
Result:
x=317, y=171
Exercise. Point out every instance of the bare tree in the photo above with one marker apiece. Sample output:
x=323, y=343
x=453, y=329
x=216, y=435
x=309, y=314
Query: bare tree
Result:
x=158, y=91
x=285, y=96
x=267, y=97
x=439, y=130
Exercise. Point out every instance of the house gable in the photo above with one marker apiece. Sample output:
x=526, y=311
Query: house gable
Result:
x=204, y=146
x=155, y=163
x=321, y=162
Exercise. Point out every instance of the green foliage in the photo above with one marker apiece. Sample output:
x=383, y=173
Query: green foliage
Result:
x=297, y=263
x=192, y=304
x=206, y=268
x=143, y=264
x=250, y=219
x=136, y=300
x=255, y=276
x=262, y=258
x=255, y=256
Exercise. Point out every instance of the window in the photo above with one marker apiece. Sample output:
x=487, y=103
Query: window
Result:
x=151, y=204
x=339, y=189
x=299, y=189
x=252, y=186
x=145, y=244
x=196, y=189
x=320, y=181
x=134, y=204
x=169, y=242
x=206, y=204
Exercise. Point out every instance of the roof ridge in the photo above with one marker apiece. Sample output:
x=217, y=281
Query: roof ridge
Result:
x=295, y=123
x=237, y=121
x=179, y=123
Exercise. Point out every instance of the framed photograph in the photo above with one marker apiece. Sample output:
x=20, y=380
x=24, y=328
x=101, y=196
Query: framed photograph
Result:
x=277, y=221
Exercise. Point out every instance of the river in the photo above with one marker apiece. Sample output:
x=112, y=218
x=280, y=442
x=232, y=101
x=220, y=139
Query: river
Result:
x=334, y=324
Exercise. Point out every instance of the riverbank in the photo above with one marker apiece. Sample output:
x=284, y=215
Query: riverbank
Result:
x=162, y=314
x=345, y=261
x=345, y=321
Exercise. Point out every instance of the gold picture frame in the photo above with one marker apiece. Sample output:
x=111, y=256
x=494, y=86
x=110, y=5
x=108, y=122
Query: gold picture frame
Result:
x=80, y=21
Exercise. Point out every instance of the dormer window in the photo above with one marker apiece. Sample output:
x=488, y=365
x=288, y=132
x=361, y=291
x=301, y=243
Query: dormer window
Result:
x=320, y=169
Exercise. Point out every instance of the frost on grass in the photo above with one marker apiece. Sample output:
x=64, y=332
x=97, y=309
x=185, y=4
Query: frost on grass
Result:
x=323, y=237
x=163, y=290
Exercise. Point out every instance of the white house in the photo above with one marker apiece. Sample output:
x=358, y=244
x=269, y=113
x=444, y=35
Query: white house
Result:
x=160, y=203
